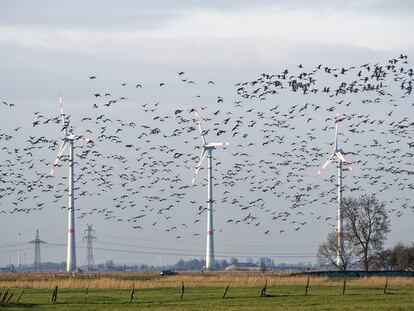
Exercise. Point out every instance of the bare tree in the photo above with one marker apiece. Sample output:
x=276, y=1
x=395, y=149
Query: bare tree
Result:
x=328, y=250
x=366, y=225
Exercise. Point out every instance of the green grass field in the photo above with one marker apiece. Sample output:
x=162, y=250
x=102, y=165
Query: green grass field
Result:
x=242, y=298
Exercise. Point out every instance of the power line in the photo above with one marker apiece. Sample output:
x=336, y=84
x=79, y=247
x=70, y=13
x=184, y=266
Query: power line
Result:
x=220, y=244
x=201, y=253
x=184, y=252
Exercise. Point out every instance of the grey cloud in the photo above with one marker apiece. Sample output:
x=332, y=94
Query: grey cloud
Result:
x=105, y=15
x=133, y=15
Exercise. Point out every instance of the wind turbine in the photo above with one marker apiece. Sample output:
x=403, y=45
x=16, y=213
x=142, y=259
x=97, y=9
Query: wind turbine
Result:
x=69, y=138
x=339, y=158
x=207, y=150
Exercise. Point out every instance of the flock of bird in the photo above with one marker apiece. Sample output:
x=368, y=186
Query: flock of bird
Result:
x=137, y=168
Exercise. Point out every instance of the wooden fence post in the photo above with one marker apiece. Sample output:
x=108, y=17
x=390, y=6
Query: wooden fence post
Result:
x=4, y=296
x=8, y=299
x=132, y=292
x=307, y=286
x=225, y=291
x=263, y=292
x=54, y=294
x=182, y=290
x=20, y=297
x=386, y=286
x=344, y=286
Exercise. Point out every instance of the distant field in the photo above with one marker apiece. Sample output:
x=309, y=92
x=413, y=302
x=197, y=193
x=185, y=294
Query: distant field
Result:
x=205, y=292
x=193, y=280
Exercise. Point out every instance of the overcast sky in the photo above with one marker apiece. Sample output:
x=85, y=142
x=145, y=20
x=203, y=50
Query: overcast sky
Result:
x=49, y=47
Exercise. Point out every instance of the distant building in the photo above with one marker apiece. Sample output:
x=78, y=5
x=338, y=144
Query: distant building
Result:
x=243, y=266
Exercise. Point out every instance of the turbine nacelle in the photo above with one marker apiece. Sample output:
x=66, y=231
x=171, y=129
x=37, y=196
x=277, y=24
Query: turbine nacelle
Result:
x=72, y=137
x=337, y=153
x=337, y=156
x=214, y=145
x=69, y=137
x=206, y=147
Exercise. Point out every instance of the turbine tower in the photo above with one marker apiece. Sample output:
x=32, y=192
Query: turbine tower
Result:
x=69, y=138
x=19, y=254
x=339, y=158
x=37, y=260
x=89, y=237
x=207, y=150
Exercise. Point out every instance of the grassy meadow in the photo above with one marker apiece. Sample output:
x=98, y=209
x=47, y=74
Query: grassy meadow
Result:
x=152, y=292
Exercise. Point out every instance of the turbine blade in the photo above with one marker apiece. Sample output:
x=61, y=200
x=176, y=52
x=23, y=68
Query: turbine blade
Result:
x=198, y=166
x=336, y=132
x=324, y=166
x=198, y=121
x=62, y=116
x=61, y=150
x=222, y=144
